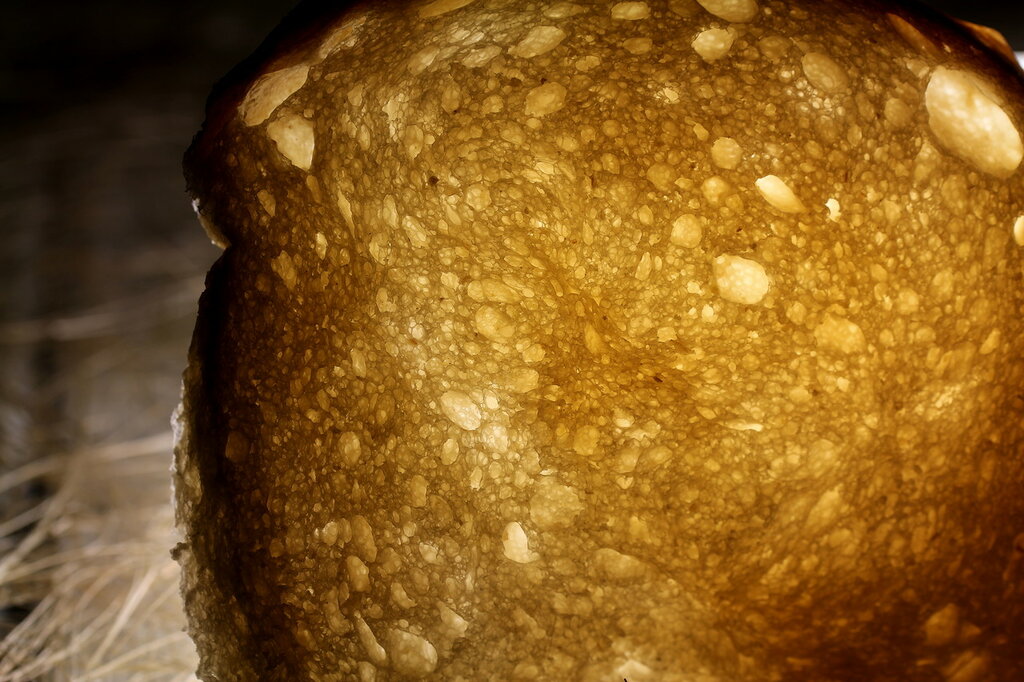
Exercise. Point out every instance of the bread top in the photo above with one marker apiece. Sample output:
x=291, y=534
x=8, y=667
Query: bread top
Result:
x=599, y=340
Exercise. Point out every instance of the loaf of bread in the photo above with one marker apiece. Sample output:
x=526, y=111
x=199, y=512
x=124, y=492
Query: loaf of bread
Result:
x=664, y=340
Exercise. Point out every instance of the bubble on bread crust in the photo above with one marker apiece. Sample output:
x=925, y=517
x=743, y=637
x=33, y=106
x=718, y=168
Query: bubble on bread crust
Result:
x=943, y=626
x=358, y=574
x=992, y=342
x=737, y=11
x=969, y=123
x=283, y=266
x=236, y=449
x=492, y=290
x=400, y=597
x=586, y=440
x=454, y=624
x=1018, y=230
x=411, y=654
x=908, y=301
x=295, y=138
x=478, y=196
x=422, y=59
x=439, y=7
x=839, y=334
x=740, y=280
x=362, y=539
x=540, y=40
x=662, y=176
x=515, y=544
x=349, y=446
x=835, y=211
x=972, y=665
x=331, y=605
x=898, y=113
x=554, y=505
x=715, y=189
x=644, y=267
x=329, y=533
x=631, y=11
x=545, y=99
x=726, y=153
x=343, y=36
x=926, y=162
x=684, y=8
x=774, y=47
x=615, y=565
x=825, y=509
x=824, y=73
x=777, y=193
x=687, y=231
x=461, y=410
x=564, y=10
x=415, y=231
x=714, y=43
x=593, y=341
x=524, y=379
x=637, y=45
x=268, y=202
x=480, y=56
x=914, y=37
x=494, y=324
x=269, y=92
x=374, y=651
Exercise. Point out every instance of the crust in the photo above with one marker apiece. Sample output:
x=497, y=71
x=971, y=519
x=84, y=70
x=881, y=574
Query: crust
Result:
x=813, y=476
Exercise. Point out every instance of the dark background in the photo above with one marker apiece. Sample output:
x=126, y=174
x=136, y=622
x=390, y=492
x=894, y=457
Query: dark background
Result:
x=101, y=259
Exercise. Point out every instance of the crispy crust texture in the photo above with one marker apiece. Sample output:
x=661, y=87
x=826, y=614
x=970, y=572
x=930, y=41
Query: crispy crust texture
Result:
x=651, y=340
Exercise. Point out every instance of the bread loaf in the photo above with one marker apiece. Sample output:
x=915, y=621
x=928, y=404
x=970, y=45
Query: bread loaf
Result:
x=667, y=340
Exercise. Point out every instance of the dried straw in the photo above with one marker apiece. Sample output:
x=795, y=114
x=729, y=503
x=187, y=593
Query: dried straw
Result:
x=87, y=565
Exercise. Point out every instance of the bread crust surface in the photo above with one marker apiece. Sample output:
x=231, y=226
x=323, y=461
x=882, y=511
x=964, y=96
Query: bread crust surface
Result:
x=648, y=340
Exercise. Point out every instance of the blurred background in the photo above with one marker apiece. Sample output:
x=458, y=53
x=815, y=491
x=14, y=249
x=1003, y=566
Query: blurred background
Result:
x=101, y=264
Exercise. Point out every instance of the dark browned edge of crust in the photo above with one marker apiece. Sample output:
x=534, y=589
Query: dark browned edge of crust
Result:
x=286, y=45
x=205, y=419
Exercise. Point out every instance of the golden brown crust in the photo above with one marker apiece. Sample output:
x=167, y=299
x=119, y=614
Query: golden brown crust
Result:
x=664, y=340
